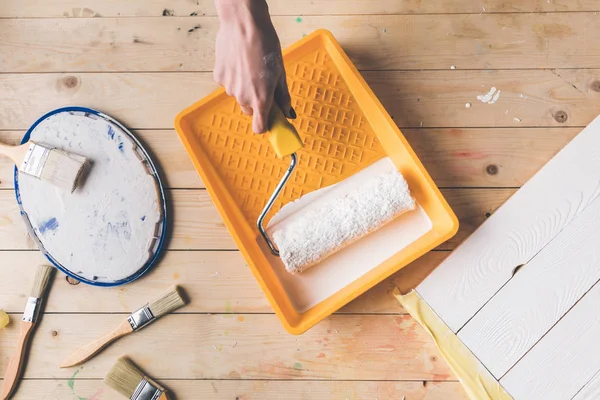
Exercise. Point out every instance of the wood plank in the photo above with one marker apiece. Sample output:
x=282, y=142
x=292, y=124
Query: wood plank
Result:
x=155, y=8
x=537, y=296
x=591, y=390
x=196, y=224
x=343, y=347
x=564, y=360
x=408, y=42
x=532, y=217
x=215, y=282
x=453, y=157
x=428, y=98
x=252, y=390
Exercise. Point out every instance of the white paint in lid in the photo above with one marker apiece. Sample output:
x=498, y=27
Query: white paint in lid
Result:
x=105, y=229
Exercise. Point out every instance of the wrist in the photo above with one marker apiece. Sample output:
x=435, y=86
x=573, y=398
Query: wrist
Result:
x=241, y=11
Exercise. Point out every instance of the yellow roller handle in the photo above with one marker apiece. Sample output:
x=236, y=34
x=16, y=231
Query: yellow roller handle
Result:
x=283, y=135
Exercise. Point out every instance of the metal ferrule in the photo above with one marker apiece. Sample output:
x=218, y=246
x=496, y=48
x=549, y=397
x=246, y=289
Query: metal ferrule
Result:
x=32, y=309
x=35, y=159
x=140, y=318
x=147, y=390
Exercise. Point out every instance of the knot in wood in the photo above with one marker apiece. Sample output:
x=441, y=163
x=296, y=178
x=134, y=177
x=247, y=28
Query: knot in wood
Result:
x=595, y=86
x=70, y=81
x=561, y=116
x=491, y=169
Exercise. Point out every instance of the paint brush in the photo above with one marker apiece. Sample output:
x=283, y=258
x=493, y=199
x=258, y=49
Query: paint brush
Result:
x=57, y=167
x=137, y=320
x=30, y=317
x=128, y=380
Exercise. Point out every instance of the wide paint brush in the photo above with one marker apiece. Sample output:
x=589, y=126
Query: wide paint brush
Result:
x=167, y=303
x=30, y=318
x=128, y=380
x=57, y=167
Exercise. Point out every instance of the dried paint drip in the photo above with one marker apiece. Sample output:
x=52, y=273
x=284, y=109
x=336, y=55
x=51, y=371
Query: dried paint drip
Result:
x=490, y=97
x=104, y=230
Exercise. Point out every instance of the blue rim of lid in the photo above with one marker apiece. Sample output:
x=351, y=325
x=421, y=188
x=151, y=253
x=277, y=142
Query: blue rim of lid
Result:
x=163, y=229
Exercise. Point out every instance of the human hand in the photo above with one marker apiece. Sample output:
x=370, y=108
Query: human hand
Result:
x=248, y=62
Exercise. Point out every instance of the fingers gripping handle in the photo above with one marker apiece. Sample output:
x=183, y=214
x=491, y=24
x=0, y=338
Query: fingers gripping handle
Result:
x=283, y=135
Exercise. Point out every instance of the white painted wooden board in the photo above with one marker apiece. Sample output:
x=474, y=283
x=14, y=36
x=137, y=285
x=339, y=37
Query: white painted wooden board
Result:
x=564, y=360
x=538, y=295
x=515, y=233
x=591, y=390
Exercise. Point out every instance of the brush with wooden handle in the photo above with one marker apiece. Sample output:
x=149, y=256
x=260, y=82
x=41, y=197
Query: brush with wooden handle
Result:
x=30, y=317
x=167, y=303
x=128, y=380
x=58, y=167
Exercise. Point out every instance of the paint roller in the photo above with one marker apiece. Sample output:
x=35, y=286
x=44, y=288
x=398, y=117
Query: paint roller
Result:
x=342, y=215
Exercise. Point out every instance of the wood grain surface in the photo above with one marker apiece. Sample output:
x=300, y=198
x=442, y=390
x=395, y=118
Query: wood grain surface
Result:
x=538, y=98
x=241, y=346
x=251, y=389
x=538, y=295
x=126, y=59
x=564, y=360
x=488, y=41
x=197, y=225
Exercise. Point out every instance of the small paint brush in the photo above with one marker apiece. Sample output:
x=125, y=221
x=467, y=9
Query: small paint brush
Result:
x=30, y=317
x=128, y=380
x=167, y=303
x=57, y=167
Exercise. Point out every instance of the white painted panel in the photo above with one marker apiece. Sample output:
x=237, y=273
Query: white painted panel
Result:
x=517, y=231
x=564, y=360
x=538, y=295
x=591, y=391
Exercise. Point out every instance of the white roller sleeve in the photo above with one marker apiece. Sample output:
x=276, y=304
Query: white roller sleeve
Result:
x=340, y=216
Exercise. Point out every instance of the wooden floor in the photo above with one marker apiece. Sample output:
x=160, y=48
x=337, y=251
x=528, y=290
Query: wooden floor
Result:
x=426, y=60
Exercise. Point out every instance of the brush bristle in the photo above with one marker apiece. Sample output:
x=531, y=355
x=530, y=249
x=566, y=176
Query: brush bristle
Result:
x=169, y=301
x=42, y=279
x=63, y=169
x=124, y=377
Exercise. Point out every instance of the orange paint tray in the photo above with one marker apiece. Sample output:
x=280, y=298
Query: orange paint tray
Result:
x=345, y=129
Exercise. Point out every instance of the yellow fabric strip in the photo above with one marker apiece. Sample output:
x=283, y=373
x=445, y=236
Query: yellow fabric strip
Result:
x=4, y=319
x=477, y=381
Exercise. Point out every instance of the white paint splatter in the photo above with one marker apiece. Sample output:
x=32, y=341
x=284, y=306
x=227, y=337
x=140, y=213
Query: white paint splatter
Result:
x=453, y=67
x=468, y=105
x=490, y=97
x=517, y=119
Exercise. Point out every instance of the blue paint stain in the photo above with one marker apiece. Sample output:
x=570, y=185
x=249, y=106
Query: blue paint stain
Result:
x=144, y=218
x=111, y=132
x=121, y=146
x=49, y=225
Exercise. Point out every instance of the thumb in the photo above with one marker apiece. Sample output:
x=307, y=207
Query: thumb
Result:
x=282, y=97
